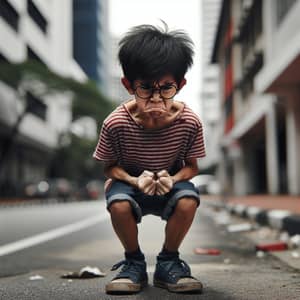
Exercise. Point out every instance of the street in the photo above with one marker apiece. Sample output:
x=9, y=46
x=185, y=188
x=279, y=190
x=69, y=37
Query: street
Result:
x=69, y=236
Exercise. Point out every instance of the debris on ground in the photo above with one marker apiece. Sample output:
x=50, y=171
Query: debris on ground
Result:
x=36, y=277
x=295, y=254
x=222, y=218
x=284, y=237
x=295, y=241
x=275, y=246
x=260, y=254
x=241, y=227
x=85, y=272
x=227, y=261
x=207, y=251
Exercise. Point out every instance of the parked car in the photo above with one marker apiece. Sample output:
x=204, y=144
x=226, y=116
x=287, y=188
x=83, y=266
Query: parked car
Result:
x=91, y=190
x=60, y=188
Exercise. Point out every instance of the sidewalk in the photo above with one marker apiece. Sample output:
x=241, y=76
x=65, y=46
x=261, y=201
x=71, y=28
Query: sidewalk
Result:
x=284, y=202
x=280, y=212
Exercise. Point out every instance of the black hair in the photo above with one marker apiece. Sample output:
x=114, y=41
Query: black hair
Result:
x=149, y=53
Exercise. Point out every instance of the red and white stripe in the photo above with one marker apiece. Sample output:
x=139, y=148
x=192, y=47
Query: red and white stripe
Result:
x=137, y=149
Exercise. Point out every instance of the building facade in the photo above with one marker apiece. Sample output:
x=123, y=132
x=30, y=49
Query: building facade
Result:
x=39, y=30
x=210, y=87
x=90, y=39
x=116, y=90
x=257, y=49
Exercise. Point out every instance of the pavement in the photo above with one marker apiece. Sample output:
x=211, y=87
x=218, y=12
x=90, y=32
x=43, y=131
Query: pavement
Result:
x=280, y=212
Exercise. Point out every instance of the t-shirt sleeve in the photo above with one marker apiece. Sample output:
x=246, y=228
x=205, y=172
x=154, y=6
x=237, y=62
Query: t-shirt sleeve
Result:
x=105, y=150
x=197, y=147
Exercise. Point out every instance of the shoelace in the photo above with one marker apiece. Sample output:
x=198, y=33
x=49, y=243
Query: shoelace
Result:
x=178, y=267
x=128, y=264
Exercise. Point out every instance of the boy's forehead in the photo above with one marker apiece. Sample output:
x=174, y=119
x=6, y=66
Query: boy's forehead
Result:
x=163, y=80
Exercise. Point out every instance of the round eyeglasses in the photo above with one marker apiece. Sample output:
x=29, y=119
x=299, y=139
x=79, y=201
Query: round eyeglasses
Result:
x=165, y=91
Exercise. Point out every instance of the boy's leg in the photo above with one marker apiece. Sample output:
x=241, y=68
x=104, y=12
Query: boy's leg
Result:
x=179, y=223
x=125, y=214
x=171, y=272
x=133, y=275
x=124, y=224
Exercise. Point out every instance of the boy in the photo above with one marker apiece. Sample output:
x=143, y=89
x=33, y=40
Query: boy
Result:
x=150, y=145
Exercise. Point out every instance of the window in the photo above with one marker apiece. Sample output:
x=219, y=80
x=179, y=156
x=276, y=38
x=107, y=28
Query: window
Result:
x=36, y=106
x=36, y=16
x=32, y=55
x=282, y=8
x=9, y=14
x=3, y=59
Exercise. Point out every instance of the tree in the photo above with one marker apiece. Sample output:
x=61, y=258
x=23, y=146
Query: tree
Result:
x=38, y=79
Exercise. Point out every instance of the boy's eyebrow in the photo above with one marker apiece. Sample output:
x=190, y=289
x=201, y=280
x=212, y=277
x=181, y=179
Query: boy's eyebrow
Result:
x=168, y=83
x=152, y=83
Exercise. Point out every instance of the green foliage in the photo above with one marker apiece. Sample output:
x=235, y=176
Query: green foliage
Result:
x=40, y=80
x=74, y=161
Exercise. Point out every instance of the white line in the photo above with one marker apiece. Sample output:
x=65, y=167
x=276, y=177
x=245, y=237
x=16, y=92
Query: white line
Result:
x=51, y=234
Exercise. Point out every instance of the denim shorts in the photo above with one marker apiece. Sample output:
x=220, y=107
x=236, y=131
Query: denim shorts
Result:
x=143, y=204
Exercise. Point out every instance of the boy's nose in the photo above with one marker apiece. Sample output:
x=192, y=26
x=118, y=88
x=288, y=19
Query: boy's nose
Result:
x=156, y=96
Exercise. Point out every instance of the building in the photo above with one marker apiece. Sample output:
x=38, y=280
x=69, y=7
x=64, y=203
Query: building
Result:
x=210, y=100
x=257, y=46
x=116, y=90
x=90, y=39
x=39, y=30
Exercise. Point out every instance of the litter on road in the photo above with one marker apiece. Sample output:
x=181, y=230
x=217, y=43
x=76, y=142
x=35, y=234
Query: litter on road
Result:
x=295, y=241
x=295, y=254
x=241, y=227
x=276, y=246
x=260, y=254
x=36, y=277
x=227, y=261
x=86, y=272
x=207, y=251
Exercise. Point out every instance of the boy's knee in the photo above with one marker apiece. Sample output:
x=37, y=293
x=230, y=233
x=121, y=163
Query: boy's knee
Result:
x=120, y=208
x=186, y=207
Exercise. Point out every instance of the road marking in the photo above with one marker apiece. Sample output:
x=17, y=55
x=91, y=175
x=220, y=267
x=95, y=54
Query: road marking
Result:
x=52, y=234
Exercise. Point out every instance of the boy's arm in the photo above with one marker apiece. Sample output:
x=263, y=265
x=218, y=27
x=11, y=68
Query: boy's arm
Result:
x=188, y=171
x=112, y=170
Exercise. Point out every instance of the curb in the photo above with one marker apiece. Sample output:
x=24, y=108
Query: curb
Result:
x=282, y=220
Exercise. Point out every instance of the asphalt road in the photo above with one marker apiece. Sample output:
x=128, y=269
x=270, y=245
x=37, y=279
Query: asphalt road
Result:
x=49, y=240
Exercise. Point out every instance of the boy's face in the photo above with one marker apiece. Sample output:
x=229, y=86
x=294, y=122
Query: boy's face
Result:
x=154, y=98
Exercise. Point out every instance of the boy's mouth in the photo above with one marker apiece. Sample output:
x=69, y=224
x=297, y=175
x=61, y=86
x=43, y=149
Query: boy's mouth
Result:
x=155, y=109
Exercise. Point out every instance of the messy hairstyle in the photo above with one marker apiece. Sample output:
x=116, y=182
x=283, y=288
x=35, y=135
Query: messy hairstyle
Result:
x=149, y=53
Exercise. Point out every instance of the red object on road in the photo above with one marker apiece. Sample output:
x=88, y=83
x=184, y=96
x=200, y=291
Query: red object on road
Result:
x=209, y=251
x=277, y=246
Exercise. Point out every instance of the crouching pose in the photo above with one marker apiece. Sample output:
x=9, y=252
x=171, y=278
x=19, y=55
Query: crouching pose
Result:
x=150, y=145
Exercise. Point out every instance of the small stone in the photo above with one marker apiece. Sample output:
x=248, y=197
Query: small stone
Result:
x=260, y=254
x=36, y=277
x=227, y=261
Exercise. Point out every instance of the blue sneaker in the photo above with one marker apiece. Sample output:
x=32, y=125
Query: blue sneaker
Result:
x=131, y=279
x=175, y=276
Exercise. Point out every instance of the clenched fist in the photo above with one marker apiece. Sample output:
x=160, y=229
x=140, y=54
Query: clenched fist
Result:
x=146, y=183
x=164, y=183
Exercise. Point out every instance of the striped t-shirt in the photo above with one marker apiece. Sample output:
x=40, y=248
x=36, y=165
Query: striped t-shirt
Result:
x=137, y=149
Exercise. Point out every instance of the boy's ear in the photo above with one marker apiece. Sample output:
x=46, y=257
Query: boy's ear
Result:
x=126, y=83
x=182, y=83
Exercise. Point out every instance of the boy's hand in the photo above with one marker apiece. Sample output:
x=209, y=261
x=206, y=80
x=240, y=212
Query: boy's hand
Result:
x=146, y=183
x=164, y=182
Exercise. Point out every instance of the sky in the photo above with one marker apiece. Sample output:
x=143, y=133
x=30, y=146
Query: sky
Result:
x=178, y=14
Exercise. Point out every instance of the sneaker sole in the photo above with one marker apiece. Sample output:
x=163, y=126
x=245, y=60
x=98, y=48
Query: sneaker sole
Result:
x=179, y=288
x=124, y=288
